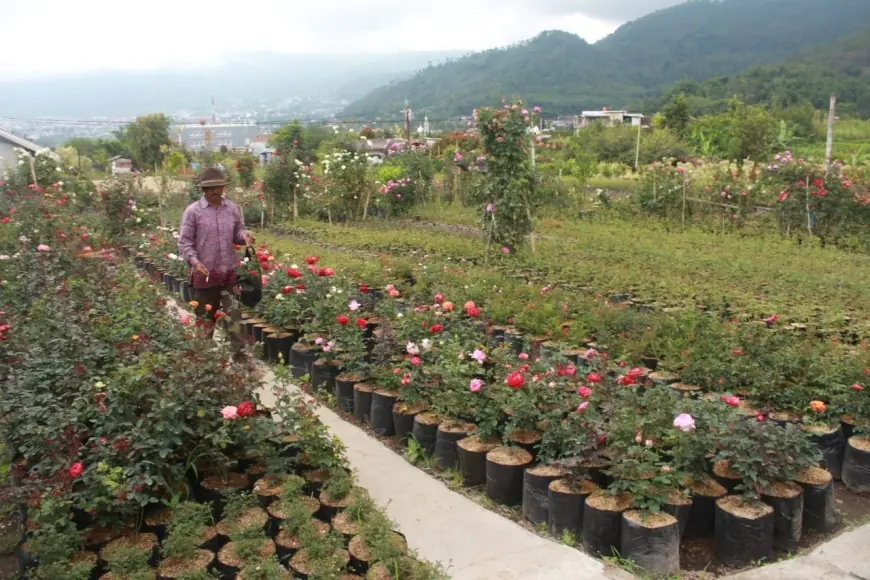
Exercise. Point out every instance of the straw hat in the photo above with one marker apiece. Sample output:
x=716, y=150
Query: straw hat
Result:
x=213, y=177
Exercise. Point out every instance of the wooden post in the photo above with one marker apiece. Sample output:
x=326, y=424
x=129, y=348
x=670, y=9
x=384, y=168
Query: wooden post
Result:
x=489, y=240
x=368, y=200
x=295, y=205
x=32, y=169
x=829, y=148
x=809, y=216
x=684, y=202
x=637, y=151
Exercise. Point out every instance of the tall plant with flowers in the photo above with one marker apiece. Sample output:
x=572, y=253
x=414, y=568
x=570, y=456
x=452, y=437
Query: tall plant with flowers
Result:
x=510, y=180
x=345, y=189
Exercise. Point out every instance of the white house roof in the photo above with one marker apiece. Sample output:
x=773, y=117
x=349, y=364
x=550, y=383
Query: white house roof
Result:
x=24, y=143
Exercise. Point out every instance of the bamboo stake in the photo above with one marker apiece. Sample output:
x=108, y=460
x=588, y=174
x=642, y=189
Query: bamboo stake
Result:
x=684, y=203
x=809, y=217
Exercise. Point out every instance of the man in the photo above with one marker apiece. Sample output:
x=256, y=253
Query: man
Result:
x=209, y=228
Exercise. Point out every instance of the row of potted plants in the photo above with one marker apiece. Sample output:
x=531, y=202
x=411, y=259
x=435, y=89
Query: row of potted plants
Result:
x=136, y=443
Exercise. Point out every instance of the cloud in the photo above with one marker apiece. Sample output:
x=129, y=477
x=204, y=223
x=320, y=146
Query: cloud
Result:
x=56, y=37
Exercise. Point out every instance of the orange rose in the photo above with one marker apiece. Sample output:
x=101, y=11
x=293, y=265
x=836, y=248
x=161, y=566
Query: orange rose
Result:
x=818, y=406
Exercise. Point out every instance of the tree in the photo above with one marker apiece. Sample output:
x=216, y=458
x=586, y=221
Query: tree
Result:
x=144, y=138
x=676, y=116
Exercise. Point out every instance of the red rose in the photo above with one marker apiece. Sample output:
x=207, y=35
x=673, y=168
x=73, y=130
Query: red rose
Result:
x=857, y=388
x=294, y=273
x=439, y=298
x=76, y=469
x=593, y=378
x=237, y=246
x=326, y=272
x=311, y=260
x=472, y=311
x=300, y=286
x=361, y=323
x=286, y=289
x=363, y=288
x=342, y=319
x=435, y=328
x=245, y=409
x=515, y=380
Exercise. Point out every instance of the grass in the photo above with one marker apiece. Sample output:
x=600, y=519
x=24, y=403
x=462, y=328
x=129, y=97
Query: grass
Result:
x=757, y=275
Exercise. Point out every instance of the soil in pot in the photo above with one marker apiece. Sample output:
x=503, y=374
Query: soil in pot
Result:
x=663, y=378
x=330, y=507
x=504, y=474
x=449, y=433
x=228, y=562
x=849, y=424
x=258, y=329
x=566, y=502
x=652, y=541
x=360, y=559
x=288, y=544
x=344, y=390
x=856, y=464
x=381, y=418
x=302, y=359
x=820, y=509
x=832, y=444
x=145, y=542
x=471, y=453
x=783, y=418
x=362, y=401
x=536, y=484
x=314, y=480
x=344, y=524
x=172, y=568
x=787, y=500
x=744, y=531
x=98, y=536
x=248, y=573
x=213, y=488
x=211, y=539
x=268, y=488
x=722, y=473
x=602, y=522
x=687, y=391
x=252, y=519
x=277, y=516
x=528, y=440
x=299, y=562
x=679, y=505
x=403, y=420
x=425, y=431
x=156, y=522
x=701, y=518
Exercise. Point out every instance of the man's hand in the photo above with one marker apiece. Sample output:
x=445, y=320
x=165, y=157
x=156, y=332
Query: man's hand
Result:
x=201, y=269
x=249, y=238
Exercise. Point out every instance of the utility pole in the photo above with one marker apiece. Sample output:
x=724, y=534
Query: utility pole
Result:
x=829, y=149
x=637, y=152
x=407, y=123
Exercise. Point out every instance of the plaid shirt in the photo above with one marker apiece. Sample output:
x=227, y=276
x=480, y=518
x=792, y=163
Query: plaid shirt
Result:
x=207, y=238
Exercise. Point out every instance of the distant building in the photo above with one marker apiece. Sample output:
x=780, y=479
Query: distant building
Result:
x=261, y=150
x=9, y=156
x=202, y=137
x=121, y=165
x=608, y=118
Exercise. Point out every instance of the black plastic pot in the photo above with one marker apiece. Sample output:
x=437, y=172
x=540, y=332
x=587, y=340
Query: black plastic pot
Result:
x=497, y=335
x=856, y=465
x=565, y=506
x=323, y=375
x=302, y=358
x=723, y=475
x=362, y=401
x=278, y=346
x=833, y=448
x=504, y=474
x=425, y=431
x=344, y=390
x=448, y=434
x=651, y=542
x=787, y=501
x=743, y=537
x=382, y=412
x=602, y=523
x=702, y=515
x=403, y=420
x=471, y=454
x=820, y=509
x=681, y=510
x=536, y=484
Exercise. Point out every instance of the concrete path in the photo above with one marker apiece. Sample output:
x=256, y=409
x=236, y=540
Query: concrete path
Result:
x=846, y=557
x=472, y=542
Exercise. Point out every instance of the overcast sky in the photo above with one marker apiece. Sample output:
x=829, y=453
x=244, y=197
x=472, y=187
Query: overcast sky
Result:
x=58, y=37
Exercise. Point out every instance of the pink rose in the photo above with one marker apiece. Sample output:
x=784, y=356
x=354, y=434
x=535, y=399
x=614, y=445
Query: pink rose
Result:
x=584, y=391
x=684, y=422
x=42, y=248
x=475, y=385
x=230, y=412
x=582, y=406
